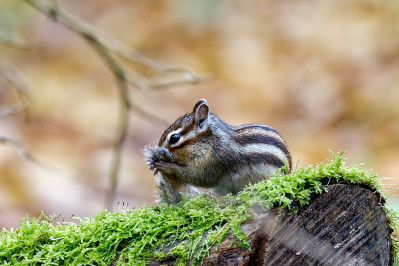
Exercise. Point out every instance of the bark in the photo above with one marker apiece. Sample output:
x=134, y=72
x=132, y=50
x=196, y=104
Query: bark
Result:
x=346, y=226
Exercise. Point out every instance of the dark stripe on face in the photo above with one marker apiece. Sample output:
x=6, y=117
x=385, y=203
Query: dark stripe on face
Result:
x=266, y=158
x=182, y=121
x=189, y=127
x=205, y=135
x=172, y=127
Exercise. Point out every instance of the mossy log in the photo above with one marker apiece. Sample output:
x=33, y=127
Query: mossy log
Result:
x=327, y=214
x=345, y=226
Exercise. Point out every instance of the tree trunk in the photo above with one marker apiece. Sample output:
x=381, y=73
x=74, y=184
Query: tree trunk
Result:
x=346, y=226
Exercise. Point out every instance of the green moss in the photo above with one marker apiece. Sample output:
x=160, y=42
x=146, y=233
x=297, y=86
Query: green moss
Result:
x=172, y=231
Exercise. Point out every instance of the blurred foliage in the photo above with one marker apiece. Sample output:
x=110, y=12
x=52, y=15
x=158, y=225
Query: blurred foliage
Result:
x=325, y=74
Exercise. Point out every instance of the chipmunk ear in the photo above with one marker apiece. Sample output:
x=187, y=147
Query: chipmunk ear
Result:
x=201, y=111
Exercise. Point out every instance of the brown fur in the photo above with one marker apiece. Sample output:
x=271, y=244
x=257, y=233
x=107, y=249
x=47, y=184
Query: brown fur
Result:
x=213, y=154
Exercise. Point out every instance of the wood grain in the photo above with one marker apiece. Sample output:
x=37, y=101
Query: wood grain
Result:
x=345, y=226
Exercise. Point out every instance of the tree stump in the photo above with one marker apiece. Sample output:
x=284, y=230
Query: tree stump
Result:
x=346, y=226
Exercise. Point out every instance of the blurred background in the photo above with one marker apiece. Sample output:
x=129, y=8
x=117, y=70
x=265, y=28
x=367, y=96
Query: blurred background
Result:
x=325, y=74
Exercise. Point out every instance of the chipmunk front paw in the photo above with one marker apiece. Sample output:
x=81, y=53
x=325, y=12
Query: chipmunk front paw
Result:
x=157, y=157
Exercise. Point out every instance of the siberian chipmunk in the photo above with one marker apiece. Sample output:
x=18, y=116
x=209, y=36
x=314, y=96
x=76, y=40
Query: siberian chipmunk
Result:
x=200, y=150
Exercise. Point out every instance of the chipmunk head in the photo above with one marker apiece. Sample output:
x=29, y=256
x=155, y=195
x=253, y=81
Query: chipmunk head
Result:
x=188, y=128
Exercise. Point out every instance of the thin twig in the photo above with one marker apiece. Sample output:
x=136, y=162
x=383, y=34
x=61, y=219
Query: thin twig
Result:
x=20, y=149
x=14, y=43
x=158, y=122
x=106, y=46
x=123, y=116
x=119, y=48
x=89, y=34
x=12, y=109
x=220, y=231
x=15, y=77
x=164, y=83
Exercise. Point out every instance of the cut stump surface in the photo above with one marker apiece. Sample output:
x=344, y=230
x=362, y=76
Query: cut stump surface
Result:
x=345, y=226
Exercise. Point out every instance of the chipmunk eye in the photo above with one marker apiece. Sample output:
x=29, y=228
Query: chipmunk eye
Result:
x=174, y=138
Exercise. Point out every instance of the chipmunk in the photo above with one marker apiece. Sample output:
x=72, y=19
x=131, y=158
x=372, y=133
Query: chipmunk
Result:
x=200, y=150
